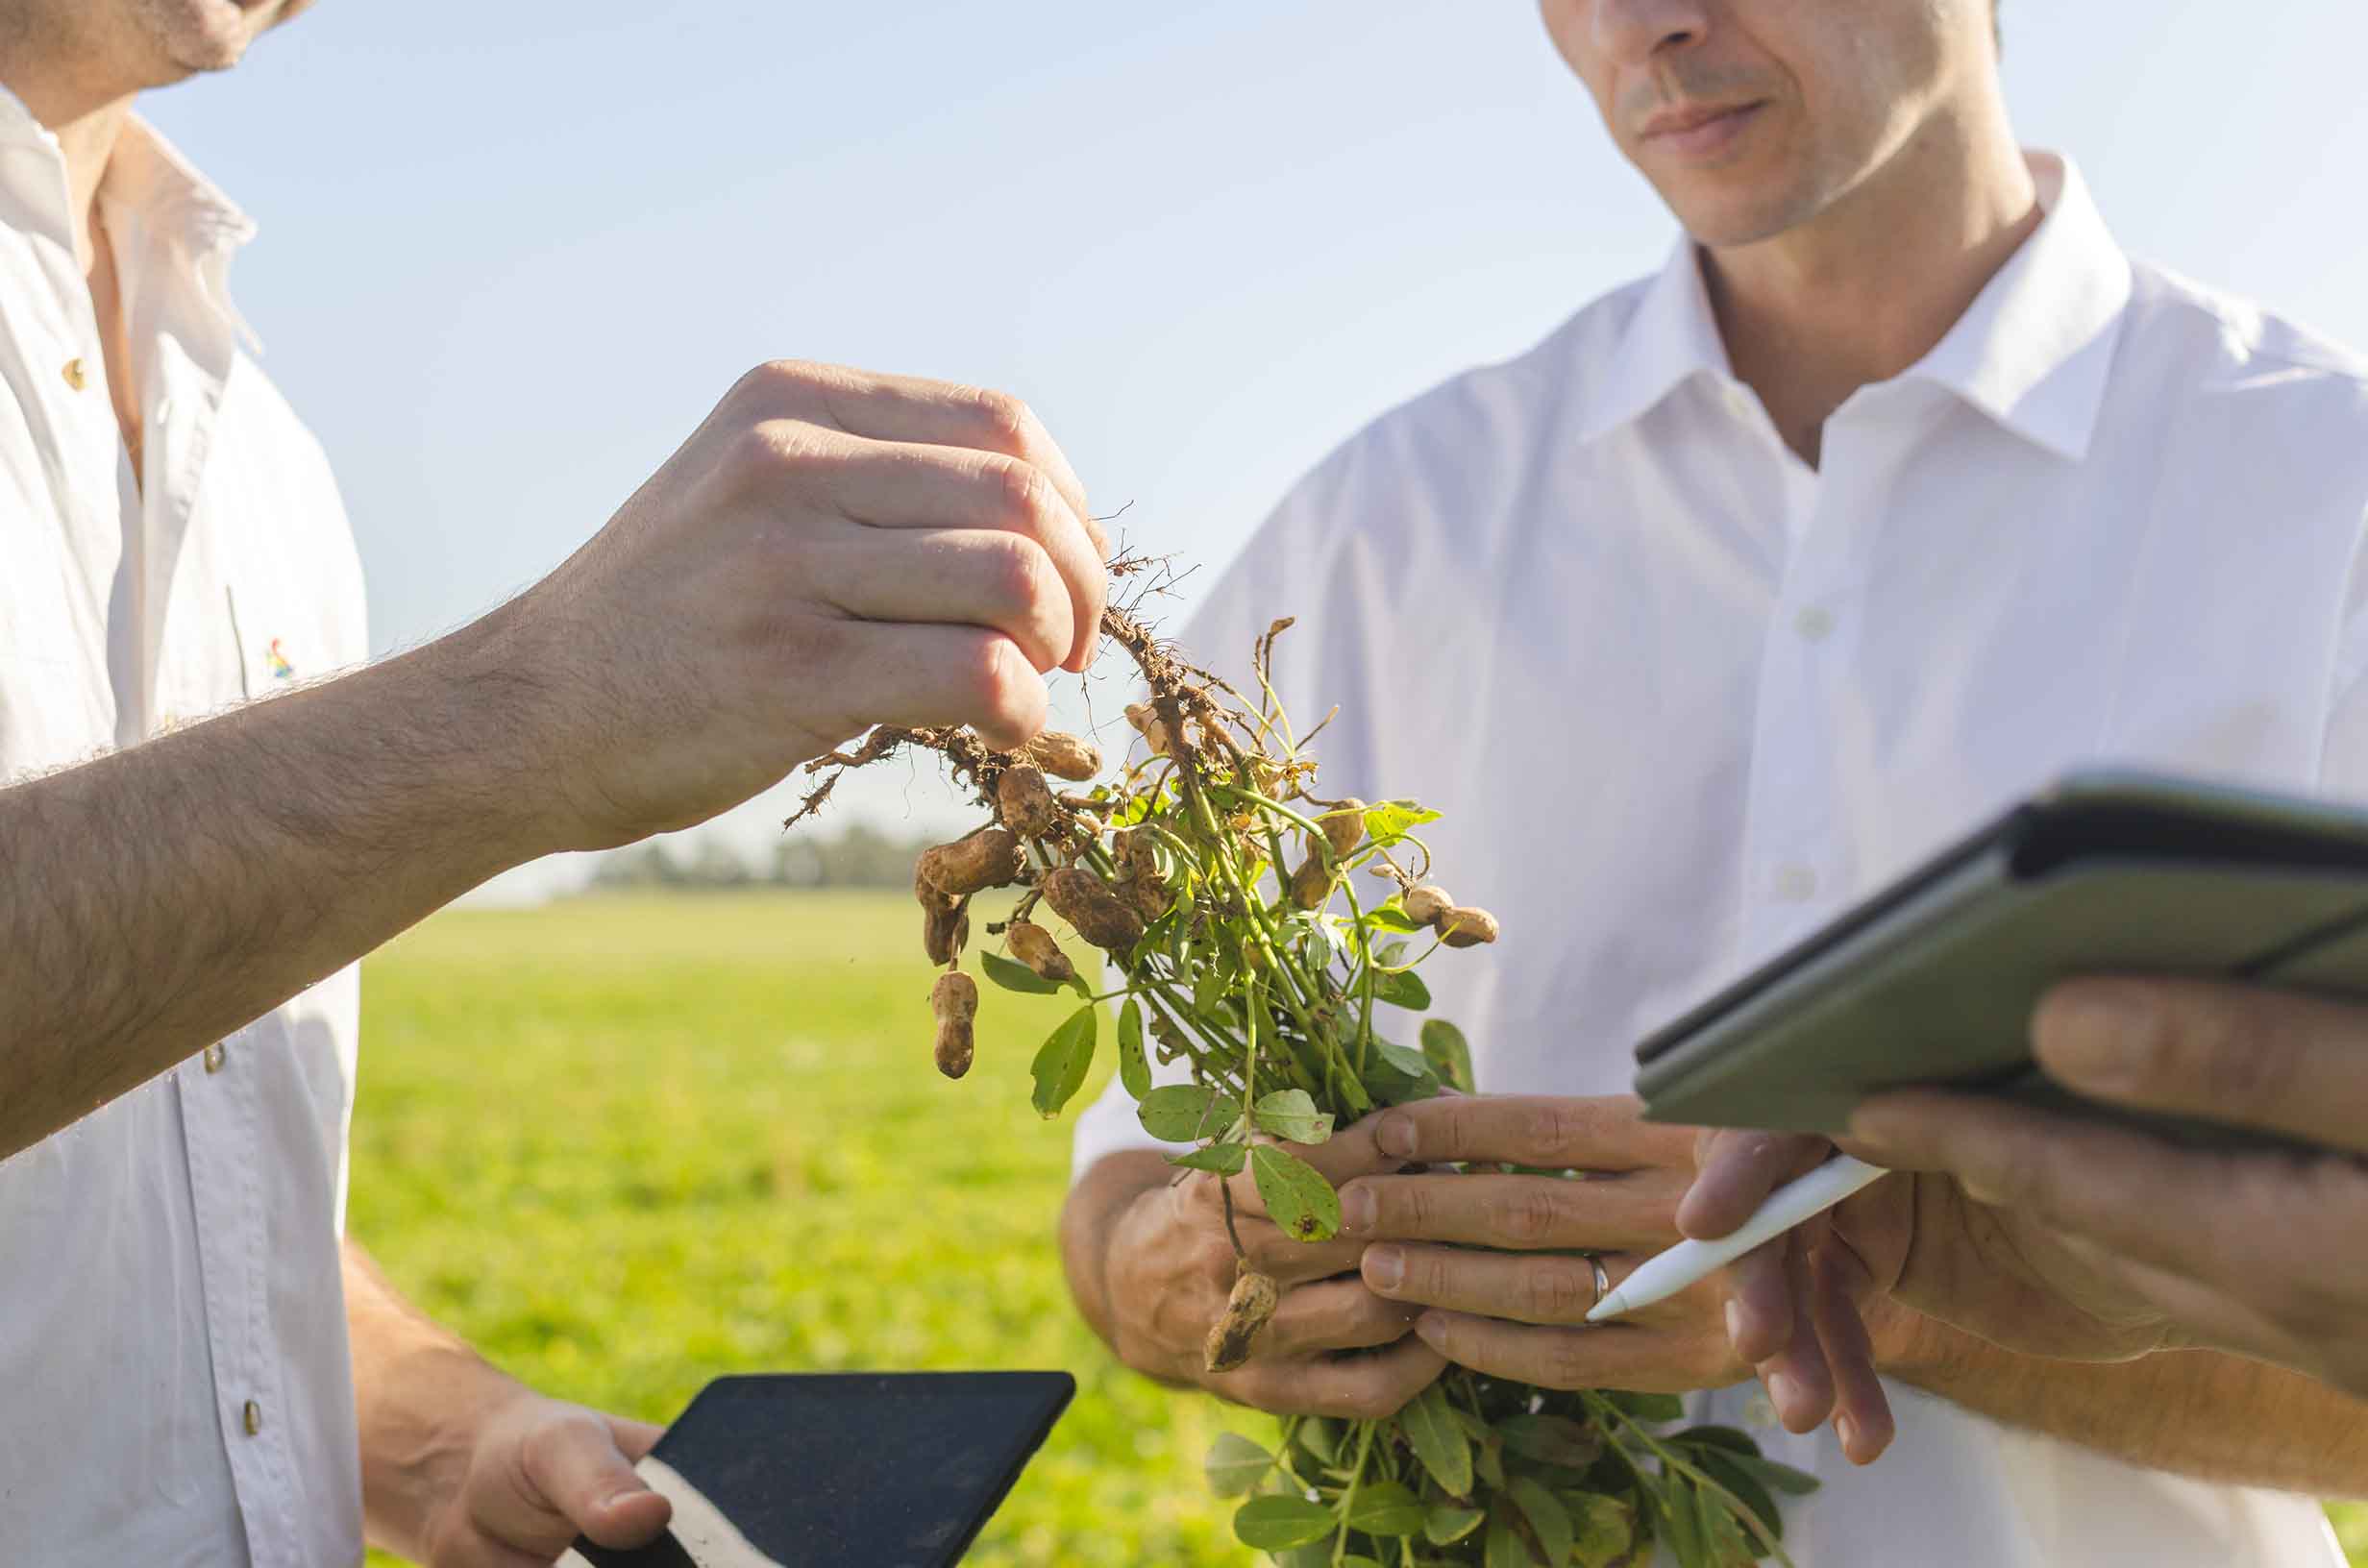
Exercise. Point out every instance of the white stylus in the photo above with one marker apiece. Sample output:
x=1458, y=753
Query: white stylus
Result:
x=1668, y=1272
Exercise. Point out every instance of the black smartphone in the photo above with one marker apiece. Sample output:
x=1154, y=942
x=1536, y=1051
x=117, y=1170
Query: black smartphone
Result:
x=797, y=1470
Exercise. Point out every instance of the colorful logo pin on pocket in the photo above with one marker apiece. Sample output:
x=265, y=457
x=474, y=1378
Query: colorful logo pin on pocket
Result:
x=281, y=669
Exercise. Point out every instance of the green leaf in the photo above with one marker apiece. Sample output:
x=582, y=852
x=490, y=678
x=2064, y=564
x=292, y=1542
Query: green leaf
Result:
x=1319, y=1437
x=1445, y=1525
x=1062, y=1064
x=1782, y=1477
x=1546, y=1516
x=1551, y=1439
x=1650, y=1406
x=1607, y=1528
x=1444, y=1048
x=1225, y=1159
x=1392, y=955
x=1236, y=1465
x=1386, y=1509
x=1013, y=975
x=1490, y=1463
x=1734, y=1439
x=1438, y=1440
x=1401, y=988
x=1392, y=819
x=1683, y=1525
x=1134, y=1068
x=1180, y=1113
x=1505, y=1548
x=1272, y=1523
x=1290, y=1114
x=1721, y=1468
x=1297, y=1196
x=1393, y=916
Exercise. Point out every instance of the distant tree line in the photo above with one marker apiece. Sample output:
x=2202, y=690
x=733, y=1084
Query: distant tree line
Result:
x=856, y=856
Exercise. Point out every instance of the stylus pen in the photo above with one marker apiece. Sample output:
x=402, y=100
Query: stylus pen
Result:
x=1668, y=1272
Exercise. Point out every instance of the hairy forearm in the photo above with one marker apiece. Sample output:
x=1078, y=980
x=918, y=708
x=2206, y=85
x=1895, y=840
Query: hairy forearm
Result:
x=154, y=899
x=420, y=1397
x=2197, y=1412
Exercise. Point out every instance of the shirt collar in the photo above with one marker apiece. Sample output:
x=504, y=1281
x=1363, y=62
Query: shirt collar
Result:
x=2033, y=352
x=153, y=181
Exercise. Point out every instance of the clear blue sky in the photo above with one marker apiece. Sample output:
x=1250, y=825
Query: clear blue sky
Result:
x=506, y=263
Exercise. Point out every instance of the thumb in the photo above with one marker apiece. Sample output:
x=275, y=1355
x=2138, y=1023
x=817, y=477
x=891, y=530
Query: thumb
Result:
x=572, y=1464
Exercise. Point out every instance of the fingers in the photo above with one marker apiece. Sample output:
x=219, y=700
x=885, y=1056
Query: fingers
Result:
x=915, y=413
x=1335, y=1314
x=1799, y=1383
x=2274, y=1060
x=888, y=407
x=1837, y=1280
x=1523, y=1288
x=1737, y=1169
x=1761, y=1307
x=949, y=576
x=1356, y=1387
x=900, y=485
x=572, y=1476
x=1608, y=1356
x=924, y=676
x=1553, y=1132
x=1621, y=1212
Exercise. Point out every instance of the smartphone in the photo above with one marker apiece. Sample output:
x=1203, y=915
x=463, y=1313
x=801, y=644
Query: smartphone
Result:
x=796, y=1470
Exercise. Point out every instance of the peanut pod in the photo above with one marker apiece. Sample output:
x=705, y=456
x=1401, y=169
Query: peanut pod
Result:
x=954, y=1001
x=1466, y=927
x=1248, y=1309
x=989, y=858
x=1024, y=801
x=1093, y=911
x=1033, y=945
x=1065, y=756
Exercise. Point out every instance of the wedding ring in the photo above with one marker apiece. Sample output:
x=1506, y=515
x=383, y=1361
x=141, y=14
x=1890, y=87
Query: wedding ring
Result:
x=1603, y=1281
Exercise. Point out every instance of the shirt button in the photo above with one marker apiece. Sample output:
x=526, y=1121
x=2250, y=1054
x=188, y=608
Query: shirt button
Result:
x=1759, y=1412
x=1794, y=883
x=252, y=1417
x=214, y=1057
x=1739, y=401
x=1813, y=624
x=75, y=377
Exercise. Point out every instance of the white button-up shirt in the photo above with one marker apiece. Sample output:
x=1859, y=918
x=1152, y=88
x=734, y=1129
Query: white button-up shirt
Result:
x=175, y=1389
x=1683, y=698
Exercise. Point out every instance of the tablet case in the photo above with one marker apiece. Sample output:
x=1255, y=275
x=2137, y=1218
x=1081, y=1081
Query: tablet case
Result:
x=796, y=1470
x=1934, y=979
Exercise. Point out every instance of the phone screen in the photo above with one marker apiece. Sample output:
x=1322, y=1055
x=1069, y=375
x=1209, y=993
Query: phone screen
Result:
x=890, y=1470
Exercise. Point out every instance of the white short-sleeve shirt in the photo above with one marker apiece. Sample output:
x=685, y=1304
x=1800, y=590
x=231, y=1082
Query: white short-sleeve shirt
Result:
x=1683, y=698
x=175, y=1387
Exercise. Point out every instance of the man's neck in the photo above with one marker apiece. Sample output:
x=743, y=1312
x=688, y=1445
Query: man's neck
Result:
x=84, y=111
x=1866, y=289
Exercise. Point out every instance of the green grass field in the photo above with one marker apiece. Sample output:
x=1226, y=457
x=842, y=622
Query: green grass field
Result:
x=625, y=1144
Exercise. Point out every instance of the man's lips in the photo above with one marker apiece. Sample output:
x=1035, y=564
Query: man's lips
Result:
x=1695, y=129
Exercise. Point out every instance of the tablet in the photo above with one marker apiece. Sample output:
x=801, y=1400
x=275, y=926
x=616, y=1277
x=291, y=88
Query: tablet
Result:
x=889, y=1470
x=1933, y=980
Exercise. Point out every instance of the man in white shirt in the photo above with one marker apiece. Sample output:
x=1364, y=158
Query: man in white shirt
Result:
x=197, y=1371
x=1898, y=490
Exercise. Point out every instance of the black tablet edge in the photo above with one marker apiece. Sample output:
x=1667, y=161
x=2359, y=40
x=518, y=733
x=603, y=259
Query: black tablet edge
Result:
x=1065, y=1391
x=2085, y=812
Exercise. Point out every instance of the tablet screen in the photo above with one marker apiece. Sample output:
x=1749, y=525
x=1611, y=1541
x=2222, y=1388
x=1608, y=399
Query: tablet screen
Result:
x=896, y=1470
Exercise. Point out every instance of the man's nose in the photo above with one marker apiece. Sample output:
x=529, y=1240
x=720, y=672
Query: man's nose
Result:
x=1633, y=32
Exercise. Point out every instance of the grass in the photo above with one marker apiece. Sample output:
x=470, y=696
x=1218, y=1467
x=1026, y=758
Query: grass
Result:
x=627, y=1144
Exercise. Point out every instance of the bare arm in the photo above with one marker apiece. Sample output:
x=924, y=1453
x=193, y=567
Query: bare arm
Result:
x=464, y=1465
x=157, y=898
x=830, y=550
x=2197, y=1412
